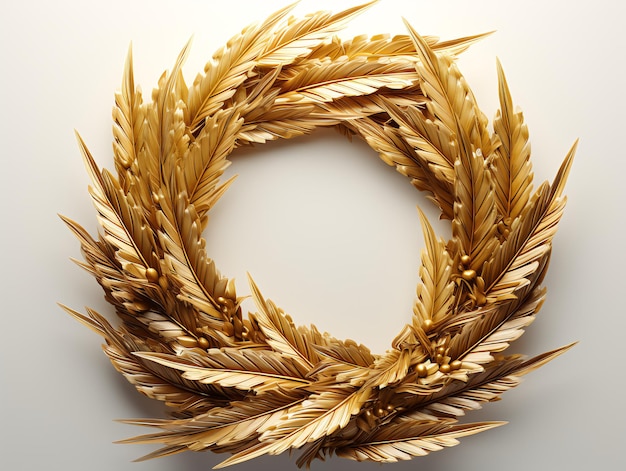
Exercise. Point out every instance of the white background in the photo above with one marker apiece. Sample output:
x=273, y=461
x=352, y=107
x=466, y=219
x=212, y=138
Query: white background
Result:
x=326, y=229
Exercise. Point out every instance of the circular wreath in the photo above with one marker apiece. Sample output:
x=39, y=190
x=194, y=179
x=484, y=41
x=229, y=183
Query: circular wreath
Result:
x=260, y=384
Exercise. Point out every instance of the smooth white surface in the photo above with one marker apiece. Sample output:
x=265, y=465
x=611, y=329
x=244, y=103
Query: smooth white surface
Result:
x=326, y=229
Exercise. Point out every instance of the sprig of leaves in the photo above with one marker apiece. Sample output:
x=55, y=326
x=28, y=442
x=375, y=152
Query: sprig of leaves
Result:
x=260, y=384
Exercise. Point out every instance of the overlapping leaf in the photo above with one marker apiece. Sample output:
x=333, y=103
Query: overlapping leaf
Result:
x=245, y=369
x=300, y=36
x=407, y=440
x=231, y=426
x=317, y=417
x=512, y=167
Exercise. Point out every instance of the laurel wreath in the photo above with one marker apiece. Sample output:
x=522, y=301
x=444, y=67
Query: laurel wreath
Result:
x=260, y=384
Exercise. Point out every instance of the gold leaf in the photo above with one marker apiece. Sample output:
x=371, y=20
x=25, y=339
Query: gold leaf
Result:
x=128, y=118
x=282, y=334
x=511, y=163
x=473, y=226
x=407, y=440
x=435, y=295
x=497, y=377
x=221, y=426
x=394, y=150
x=248, y=370
x=205, y=161
x=228, y=69
x=330, y=80
x=451, y=100
x=317, y=417
x=299, y=37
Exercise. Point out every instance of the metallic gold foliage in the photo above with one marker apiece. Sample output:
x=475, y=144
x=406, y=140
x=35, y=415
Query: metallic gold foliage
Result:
x=259, y=384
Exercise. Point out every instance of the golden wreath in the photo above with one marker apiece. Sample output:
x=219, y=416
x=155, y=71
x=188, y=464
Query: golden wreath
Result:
x=260, y=384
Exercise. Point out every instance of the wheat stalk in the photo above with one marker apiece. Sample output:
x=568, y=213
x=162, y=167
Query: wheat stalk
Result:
x=259, y=384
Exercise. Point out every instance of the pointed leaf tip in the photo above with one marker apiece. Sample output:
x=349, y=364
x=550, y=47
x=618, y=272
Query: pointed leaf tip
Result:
x=558, y=185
